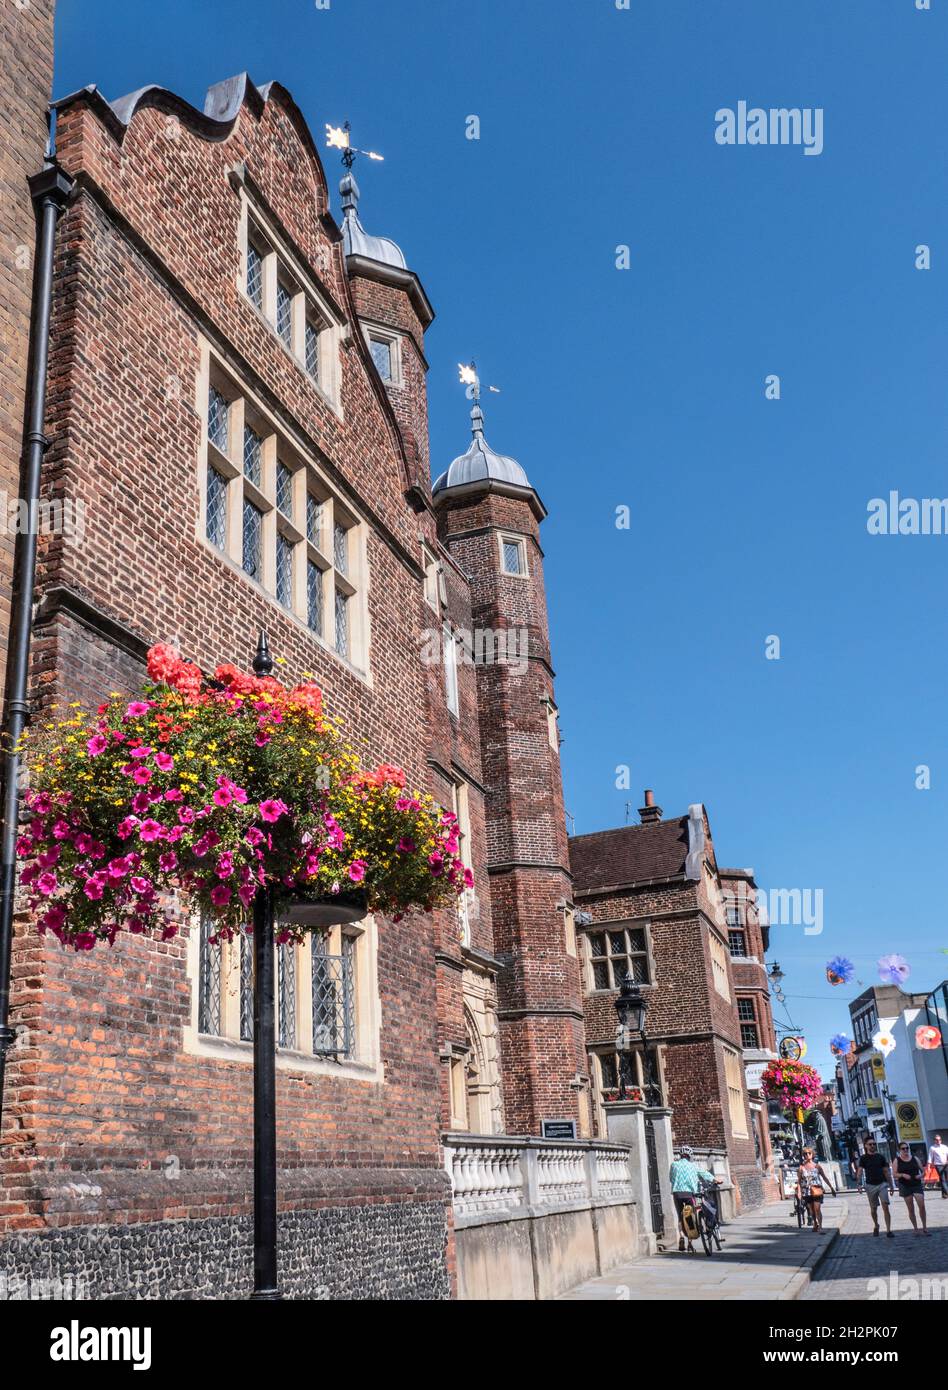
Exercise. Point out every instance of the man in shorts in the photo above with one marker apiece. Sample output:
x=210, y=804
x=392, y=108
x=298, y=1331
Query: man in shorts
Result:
x=874, y=1174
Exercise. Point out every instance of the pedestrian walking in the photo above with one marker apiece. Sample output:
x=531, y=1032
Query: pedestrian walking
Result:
x=812, y=1183
x=908, y=1173
x=875, y=1177
x=938, y=1158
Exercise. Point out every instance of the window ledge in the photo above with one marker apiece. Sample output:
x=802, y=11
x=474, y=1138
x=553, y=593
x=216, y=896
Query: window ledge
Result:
x=287, y=1059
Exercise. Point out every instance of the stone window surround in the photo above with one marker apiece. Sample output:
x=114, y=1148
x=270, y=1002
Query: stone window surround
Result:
x=279, y=263
x=719, y=955
x=371, y=329
x=520, y=541
x=734, y=1085
x=616, y=924
x=366, y=1065
x=307, y=477
x=435, y=591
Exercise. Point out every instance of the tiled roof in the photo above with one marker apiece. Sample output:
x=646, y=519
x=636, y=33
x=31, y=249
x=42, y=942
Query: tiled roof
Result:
x=630, y=854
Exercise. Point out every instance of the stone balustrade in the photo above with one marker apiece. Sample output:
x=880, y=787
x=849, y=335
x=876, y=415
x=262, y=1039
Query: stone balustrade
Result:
x=503, y=1174
x=534, y=1217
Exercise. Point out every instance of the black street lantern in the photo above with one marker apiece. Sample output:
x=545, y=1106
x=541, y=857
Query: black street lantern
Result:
x=324, y=913
x=631, y=1006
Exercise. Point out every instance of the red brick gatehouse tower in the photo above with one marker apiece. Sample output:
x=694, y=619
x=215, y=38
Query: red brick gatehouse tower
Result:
x=651, y=904
x=489, y=517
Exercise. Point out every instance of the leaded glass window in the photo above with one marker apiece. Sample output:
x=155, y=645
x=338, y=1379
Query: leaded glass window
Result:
x=616, y=953
x=513, y=557
x=285, y=489
x=215, y=520
x=253, y=534
x=253, y=446
x=254, y=275
x=246, y=987
x=218, y=415
x=749, y=1036
x=615, y=1067
x=382, y=357
x=340, y=548
x=314, y=520
x=312, y=349
x=737, y=943
x=209, y=982
x=284, y=314
x=284, y=559
x=333, y=997
x=314, y=597
x=342, y=623
x=286, y=995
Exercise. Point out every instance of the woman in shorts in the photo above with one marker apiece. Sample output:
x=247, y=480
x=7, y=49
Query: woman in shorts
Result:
x=812, y=1182
x=908, y=1175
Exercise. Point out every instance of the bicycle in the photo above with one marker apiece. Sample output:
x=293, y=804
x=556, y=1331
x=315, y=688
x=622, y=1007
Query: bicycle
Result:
x=699, y=1218
x=801, y=1210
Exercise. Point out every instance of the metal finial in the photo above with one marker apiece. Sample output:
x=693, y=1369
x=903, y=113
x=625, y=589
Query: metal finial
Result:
x=263, y=661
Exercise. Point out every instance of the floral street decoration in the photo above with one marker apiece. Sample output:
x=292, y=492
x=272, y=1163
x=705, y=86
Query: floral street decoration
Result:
x=927, y=1037
x=209, y=789
x=794, y=1085
x=840, y=1044
x=839, y=970
x=883, y=1041
x=893, y=970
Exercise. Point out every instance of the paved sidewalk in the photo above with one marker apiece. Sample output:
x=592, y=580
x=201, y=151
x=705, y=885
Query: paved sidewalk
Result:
x=765, y=1256
x=907, y=1263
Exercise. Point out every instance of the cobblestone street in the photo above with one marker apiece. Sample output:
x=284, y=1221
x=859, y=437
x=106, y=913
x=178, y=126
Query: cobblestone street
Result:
x=904, y=1262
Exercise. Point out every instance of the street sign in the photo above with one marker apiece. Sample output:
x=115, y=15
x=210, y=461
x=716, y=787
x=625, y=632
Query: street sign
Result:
x=909, y=1121
x=752, y=1074
x=558, y=1129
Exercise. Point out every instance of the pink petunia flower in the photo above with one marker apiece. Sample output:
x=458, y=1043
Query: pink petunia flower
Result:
x=168, y=861
x=357, y=870
x=142, y=751
x=164, y=762
x=150, y=830
x=47, y=884
x=97, y=744
x=93, y=888
x=137, y=709
x=174, y=794
x=222, y=797
x=271, y=811
x=221, y=895
x=253, y=836
x=142, y=776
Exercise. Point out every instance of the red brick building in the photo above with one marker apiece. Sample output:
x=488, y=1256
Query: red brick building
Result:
x=652, y=902
x=237, y=394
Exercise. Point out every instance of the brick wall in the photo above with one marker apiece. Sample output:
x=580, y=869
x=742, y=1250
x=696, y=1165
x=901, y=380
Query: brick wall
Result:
x=26, y=70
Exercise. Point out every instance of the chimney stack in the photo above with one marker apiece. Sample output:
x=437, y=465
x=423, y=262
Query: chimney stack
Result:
x=650, y=813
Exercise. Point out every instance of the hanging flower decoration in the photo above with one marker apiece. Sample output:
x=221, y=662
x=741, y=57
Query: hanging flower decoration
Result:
x=795, y=1085
x=893, y=970
x=927, y=1037
x=839, y=970
x=883, y=1041
x=209, y=789
x=839, y=1044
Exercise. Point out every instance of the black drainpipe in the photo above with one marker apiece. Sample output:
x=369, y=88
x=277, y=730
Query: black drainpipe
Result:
x=50, y=190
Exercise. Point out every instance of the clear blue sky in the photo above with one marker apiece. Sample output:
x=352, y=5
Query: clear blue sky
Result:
x=646, y=387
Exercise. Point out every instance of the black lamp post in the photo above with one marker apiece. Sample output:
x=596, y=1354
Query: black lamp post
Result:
x=323, y=913
x=631, y=1006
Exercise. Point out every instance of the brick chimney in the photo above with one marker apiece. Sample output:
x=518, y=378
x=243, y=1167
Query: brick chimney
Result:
x=650, y=813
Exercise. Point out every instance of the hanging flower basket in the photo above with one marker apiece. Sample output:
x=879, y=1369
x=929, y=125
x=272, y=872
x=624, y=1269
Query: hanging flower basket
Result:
x=202, y=791
x=794, y=1085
